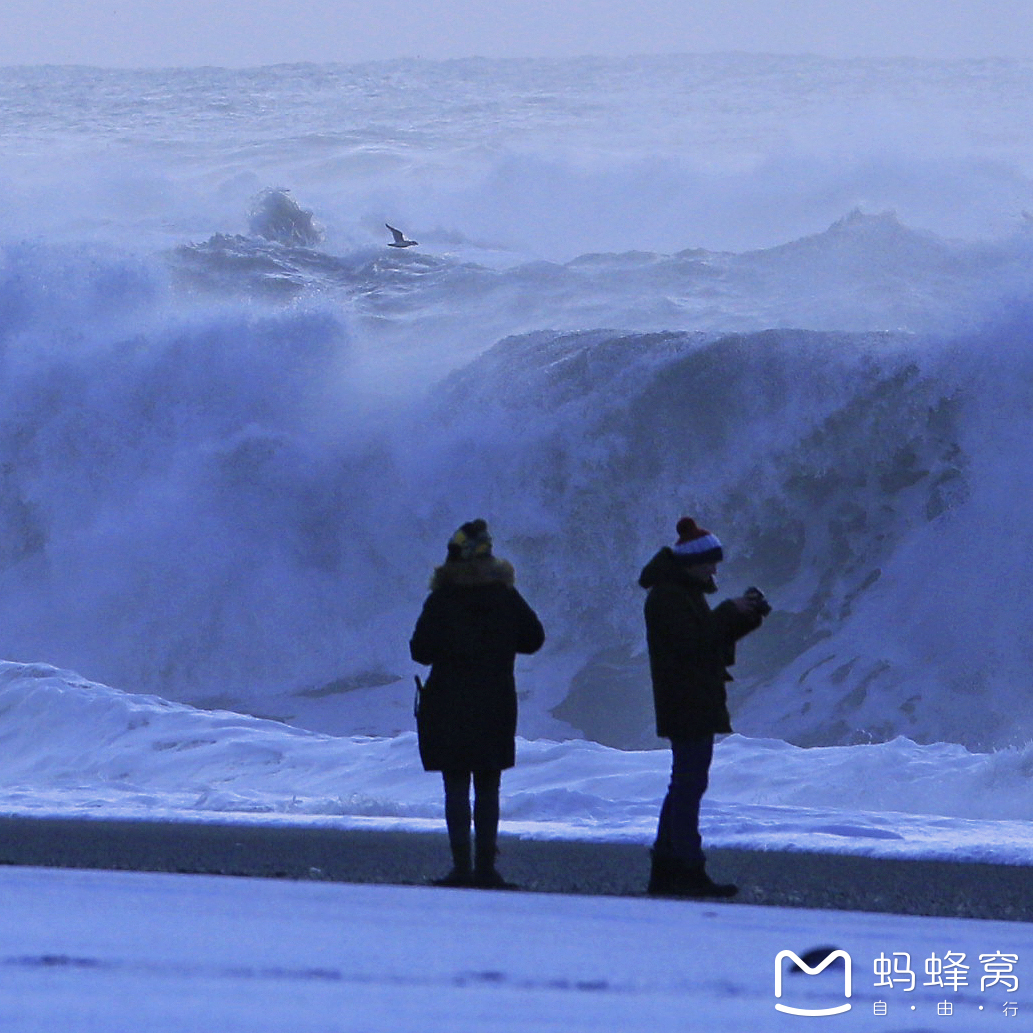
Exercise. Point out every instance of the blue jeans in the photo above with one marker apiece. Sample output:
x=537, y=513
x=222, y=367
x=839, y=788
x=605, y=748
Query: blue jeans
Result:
x=677, y=834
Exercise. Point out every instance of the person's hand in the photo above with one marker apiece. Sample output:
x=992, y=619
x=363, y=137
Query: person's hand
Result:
x=753, y=602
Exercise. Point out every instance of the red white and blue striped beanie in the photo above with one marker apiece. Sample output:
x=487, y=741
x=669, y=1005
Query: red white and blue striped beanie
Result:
x=695, y=545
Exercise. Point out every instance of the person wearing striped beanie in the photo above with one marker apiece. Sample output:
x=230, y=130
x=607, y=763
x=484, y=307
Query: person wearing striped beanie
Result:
x=698, y=550
x=691, y=647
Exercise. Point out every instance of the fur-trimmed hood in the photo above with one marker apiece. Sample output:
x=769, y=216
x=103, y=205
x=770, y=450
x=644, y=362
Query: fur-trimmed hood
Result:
x=484, y=570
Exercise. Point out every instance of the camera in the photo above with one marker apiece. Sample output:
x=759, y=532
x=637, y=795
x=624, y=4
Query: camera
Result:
x=756, y=597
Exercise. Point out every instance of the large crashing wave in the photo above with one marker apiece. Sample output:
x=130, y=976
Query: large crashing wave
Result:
x=172, y=515
x=856, y=477
x=205, y=498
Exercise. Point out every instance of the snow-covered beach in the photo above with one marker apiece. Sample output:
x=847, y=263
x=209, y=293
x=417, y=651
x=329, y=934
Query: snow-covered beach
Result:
x=73, y=748
x=95, y=951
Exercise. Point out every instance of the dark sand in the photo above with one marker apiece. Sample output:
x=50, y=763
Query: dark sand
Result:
x=765, y=877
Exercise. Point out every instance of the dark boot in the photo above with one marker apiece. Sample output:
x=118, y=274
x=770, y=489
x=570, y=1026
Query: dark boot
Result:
x=696, y=883
x=490, y=879
x=662, y=874
x=485, y=874
x=456, y=877
x=461, y=873
x=672, y=877
x=486, y=831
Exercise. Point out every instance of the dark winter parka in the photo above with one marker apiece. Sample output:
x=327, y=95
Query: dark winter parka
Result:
x=691, y=647
x=473, y=624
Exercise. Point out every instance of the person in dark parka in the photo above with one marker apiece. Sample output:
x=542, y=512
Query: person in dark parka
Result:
x=691, y=647
x=473, y=624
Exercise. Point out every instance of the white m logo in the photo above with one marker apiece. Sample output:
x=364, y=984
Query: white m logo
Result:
x=803, y=966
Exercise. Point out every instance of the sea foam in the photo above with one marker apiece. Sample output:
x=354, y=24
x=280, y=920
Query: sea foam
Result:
x=785, y=294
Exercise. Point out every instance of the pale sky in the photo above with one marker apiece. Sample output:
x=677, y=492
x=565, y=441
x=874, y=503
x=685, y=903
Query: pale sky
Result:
x=237, y=33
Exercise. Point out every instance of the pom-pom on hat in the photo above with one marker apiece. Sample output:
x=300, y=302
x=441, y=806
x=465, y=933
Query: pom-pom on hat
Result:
x=470, y=542
x=696, y=545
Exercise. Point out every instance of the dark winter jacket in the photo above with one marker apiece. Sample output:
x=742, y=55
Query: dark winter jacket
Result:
x=691, y=648
x=473, y=624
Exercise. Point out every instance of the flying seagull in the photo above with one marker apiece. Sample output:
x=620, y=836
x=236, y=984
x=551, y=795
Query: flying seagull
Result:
x=400, y=240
